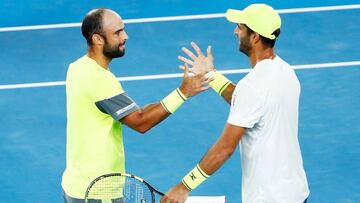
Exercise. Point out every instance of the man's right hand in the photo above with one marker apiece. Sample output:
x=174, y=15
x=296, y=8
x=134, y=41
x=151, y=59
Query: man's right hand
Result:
x=200, y=64
x=192, y=85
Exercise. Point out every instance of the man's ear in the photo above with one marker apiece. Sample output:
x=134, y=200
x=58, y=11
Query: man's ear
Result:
x=97, y=39
x=255, y=38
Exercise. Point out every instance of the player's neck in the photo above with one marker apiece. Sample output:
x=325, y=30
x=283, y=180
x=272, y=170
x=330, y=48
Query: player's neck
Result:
x=259, y=54
x=100, y=59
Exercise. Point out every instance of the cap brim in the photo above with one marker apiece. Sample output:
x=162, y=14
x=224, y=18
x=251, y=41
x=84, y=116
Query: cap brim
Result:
x=235, y=16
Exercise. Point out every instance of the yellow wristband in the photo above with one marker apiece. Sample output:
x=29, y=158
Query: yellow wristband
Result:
x=194, y=178
x=173, y=101
x=219, y=83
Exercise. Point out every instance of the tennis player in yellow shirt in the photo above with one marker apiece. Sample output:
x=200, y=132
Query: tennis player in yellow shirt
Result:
x=97, y=106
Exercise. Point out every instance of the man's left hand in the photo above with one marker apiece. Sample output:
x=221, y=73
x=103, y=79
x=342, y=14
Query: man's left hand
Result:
x=177, y=194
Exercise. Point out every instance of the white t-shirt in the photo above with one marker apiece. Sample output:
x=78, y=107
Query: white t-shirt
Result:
x=266, y=102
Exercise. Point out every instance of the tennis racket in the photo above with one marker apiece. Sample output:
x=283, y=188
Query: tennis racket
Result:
x=120, y=188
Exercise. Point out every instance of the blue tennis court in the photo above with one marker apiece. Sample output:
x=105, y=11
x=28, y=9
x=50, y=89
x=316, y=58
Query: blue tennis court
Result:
x=322, y=43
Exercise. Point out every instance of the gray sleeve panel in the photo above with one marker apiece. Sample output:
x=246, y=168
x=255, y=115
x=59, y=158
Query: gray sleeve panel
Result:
x=118, y=106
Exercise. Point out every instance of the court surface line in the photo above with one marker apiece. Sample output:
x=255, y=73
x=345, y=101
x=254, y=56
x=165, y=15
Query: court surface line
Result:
x=177, y=18
x=178, y=75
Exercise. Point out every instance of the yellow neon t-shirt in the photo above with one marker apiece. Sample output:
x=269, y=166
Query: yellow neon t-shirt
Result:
x=94, y=139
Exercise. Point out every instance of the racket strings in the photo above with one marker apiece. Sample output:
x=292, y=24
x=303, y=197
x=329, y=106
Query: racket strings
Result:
x=120, y=189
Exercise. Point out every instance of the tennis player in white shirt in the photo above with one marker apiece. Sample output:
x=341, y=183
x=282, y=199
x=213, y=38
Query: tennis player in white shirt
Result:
x=263, y=116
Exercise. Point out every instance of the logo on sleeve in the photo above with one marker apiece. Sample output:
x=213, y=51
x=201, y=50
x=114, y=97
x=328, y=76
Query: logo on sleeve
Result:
x=126, y=108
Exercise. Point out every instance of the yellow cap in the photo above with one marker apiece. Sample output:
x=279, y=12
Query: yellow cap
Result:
x=260, y=18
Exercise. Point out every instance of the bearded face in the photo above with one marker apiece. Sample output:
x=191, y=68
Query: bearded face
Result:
x=245, y=45
x=115, y=50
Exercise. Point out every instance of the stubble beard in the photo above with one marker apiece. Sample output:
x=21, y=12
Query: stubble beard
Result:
x=245, y=46
x=113, y=51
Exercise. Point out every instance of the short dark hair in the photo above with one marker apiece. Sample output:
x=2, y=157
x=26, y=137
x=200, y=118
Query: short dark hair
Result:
x=266, y=41
x=92, y=24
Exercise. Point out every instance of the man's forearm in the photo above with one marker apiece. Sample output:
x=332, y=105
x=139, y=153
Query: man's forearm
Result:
x=215, y=158
x=221, y=85
x=228, y=92
x=152, y=115
x=145, y=118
